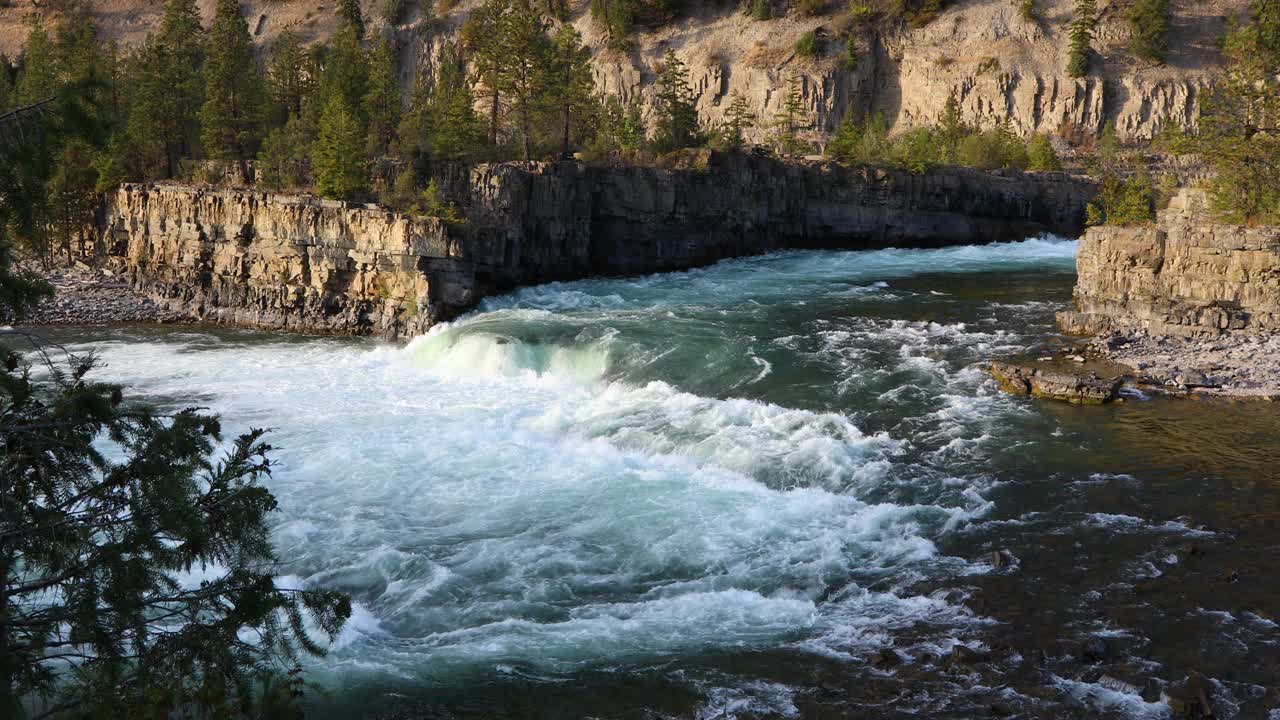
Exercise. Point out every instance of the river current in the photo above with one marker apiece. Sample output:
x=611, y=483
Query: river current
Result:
x=725, y=492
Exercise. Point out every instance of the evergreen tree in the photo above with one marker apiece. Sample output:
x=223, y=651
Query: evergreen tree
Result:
x=570, y=87
x=1240, y=121
x=860, y=143
x=1149, y=29
x=40, y=67
x=621, y=126
x=167, y=82
x=1083, y=21
x=349, y=16
x=951, y=129
x=522, y=75
x=615, y=18
x=1041, y=155
x=482, y=36
x=288, y=80
x=337, y=157
x=72, y=197
x=737, y=119
x=382, y=100
x=345, y=72
x=231, y=118
x=791, y=118
x=456, y=131
x=285, y=157
x=676, y=115
x=5, y=90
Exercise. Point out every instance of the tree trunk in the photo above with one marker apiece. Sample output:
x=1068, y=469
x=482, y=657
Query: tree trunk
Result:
x=493, y=117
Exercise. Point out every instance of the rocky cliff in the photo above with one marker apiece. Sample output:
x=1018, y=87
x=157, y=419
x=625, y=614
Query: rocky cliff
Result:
x=1184, y=275
x=1002, y=66
x=293, y=262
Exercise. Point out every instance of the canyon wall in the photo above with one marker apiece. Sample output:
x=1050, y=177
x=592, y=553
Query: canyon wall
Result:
x=1001, y=66
x=1184, y=275
x=293, y=262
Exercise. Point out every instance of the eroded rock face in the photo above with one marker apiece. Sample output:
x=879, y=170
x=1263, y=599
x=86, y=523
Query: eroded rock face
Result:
x=1182, y=276
x=1055, y=384
x=293, y=262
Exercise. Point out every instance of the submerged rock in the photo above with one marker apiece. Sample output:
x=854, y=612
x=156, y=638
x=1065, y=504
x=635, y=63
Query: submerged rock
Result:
x=1078, y=388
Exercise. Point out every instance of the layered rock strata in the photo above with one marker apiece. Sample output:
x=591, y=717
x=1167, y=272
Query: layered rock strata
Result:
x=1184, y=275
x=1055, y=384
x=294, y=262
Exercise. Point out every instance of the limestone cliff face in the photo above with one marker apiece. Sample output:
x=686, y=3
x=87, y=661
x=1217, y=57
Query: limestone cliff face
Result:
x=1001, y=66
x=291, y=262
x=1182, y=276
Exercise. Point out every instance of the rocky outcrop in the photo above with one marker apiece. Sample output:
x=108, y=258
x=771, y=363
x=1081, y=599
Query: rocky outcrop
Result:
x=1055, y=385
x=1003, y=67
x=294, y=262
x=1184, y=275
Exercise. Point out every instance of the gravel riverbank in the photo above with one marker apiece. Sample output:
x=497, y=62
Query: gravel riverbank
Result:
x=88, y=296
x=1230, y=365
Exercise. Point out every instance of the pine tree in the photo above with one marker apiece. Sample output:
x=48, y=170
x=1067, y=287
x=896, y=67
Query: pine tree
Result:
x=285, y=156
x=571, y=88
x=1041, y=155
x=231, y=118
x=676, y=115
x=456, y=131
x=737, y=119
x=791, y=118
x=337, y=158
x=951, y=129
x=482, y=41
x=522, y=76
x=382, y=100
x=167, y=82
x=5, y=90
x=1083, y=21
x=345, y=72
x=621, y=126
x=39, y=79
x=615, y=18
x=1149, y=29
x=1240, y=121
x=288, y=81
x=71, y=196
x=350, y=16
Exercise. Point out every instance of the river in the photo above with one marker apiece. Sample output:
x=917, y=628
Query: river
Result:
x=724, y=492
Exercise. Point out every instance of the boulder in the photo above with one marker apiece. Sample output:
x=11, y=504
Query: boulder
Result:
x=1077, y=388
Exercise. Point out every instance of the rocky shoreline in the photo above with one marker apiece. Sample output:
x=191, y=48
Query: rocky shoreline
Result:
x=1243, y=366
x=84, y=295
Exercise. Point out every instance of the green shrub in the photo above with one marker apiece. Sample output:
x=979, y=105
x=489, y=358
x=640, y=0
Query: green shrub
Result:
x=1040, y=154
x=1123, y=202
x=860, y=12
x=761, y=10
x=1027, y=10
x=918, y=150
x=860, y=143
x=809, y=45
x=992, y=150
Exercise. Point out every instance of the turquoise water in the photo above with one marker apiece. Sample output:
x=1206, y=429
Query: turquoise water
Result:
x=716, y=493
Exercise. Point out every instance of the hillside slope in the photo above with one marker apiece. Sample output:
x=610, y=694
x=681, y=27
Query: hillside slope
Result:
x=1001, y=67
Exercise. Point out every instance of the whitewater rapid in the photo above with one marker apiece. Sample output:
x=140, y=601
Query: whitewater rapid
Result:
x=619, y=473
